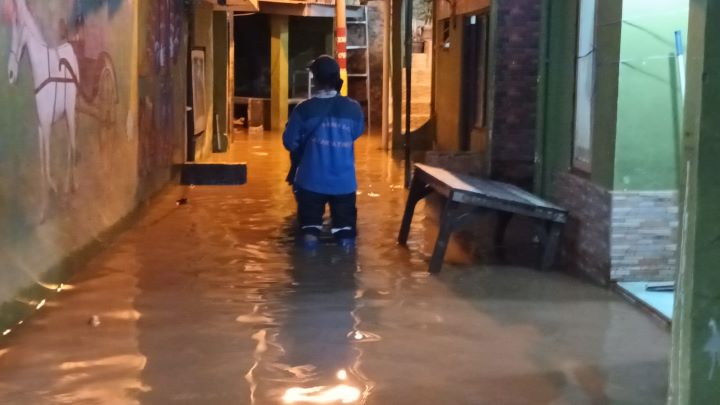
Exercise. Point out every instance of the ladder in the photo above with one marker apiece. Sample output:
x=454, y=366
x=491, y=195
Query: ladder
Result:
x=358, y=57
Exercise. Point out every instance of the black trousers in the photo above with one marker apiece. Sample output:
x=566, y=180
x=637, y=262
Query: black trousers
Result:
x=311, y=208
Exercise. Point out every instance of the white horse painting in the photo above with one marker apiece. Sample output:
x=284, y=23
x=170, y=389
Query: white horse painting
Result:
x=55, y=73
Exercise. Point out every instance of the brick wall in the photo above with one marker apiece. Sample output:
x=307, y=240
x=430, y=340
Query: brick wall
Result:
x=619, y=236
x=586, y=241
x=516, y=70
x=645, y=236
x=376, y=17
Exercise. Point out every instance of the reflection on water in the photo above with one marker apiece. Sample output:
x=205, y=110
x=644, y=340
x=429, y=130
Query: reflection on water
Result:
x=322, y=395
x=307, y=335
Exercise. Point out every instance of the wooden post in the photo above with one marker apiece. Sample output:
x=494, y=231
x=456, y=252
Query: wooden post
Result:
x=386, y=75
x=408, y=88
x=279, y=67
x=231, y=77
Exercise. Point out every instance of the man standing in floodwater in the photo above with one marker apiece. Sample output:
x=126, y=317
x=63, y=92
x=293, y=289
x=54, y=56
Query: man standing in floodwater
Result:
x=320, y=136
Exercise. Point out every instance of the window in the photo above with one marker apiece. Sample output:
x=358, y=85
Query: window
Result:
x=584, y=86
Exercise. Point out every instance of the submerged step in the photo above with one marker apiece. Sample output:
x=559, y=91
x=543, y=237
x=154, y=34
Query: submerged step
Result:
x=214, y=174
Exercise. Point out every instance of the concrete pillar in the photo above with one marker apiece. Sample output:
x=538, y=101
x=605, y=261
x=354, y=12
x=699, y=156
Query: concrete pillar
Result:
x=134, y=104
x=220, y=84
x=341, y=43
x=695, y=371
x=397, y=70
x=279, y=67
x=556, y=94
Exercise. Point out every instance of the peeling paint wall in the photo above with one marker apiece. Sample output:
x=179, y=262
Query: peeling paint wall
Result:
x=106, y=77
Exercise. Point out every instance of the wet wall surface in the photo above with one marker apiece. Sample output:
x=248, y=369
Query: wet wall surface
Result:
x=210, y=302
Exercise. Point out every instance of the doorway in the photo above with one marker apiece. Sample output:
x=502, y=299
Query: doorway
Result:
x=474, y=82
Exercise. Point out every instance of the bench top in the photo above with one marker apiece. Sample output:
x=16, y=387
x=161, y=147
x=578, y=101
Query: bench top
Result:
x=494, y=190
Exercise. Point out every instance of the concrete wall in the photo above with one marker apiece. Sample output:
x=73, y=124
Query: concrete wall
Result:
x=128, y=116
x=203, y=37
x=220, y=71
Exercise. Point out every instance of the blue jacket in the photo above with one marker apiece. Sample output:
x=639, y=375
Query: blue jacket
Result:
x=327, y=165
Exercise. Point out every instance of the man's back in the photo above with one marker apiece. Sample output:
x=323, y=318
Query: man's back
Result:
x=326, y=128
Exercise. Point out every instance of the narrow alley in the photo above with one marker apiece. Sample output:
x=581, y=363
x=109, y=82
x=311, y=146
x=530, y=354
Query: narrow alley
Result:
x=210, y=302
x=523, y=194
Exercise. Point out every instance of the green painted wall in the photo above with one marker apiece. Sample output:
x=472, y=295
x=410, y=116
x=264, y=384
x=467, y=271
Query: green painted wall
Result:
x=607, y=42
x=556, y=92
x=649, y=100
x=637, y=105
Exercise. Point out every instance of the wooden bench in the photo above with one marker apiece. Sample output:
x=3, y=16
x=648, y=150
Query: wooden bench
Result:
x=466, y=195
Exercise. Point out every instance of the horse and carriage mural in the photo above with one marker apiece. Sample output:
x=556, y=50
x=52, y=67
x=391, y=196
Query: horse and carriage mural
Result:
x=67, y=79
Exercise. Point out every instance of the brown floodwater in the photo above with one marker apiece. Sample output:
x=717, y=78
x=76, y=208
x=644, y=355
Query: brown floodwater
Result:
x=210, y=302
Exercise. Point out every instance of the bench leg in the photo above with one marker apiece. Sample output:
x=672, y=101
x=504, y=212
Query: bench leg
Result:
x=447, y=223
x=503, y=220
x=418, y=191
x=551, y=243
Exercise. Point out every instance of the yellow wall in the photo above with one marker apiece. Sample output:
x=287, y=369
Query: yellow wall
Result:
x=448, y=76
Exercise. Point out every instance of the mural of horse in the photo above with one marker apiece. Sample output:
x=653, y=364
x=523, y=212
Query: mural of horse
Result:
x=55, y=73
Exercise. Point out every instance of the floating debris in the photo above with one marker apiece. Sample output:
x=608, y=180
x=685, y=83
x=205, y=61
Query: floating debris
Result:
x=181, y=201
x=94, y=321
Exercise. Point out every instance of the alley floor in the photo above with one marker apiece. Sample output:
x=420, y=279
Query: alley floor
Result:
x=210, y=302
